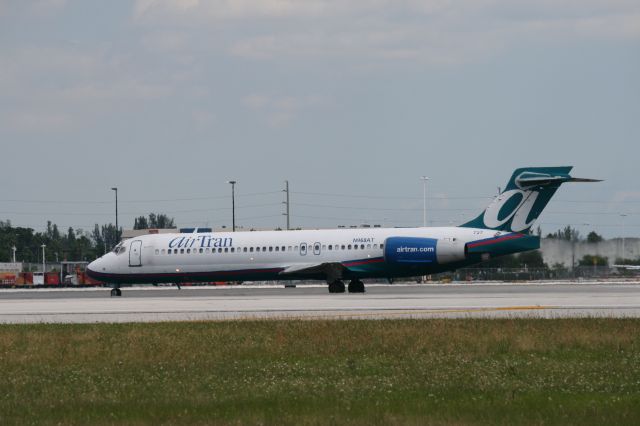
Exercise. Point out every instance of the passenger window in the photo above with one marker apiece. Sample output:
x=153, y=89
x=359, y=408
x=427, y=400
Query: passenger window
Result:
x=283, y=248
x=361, y=246
x=270, y=248
x=277, y=248
x=296, y=249
x=289, y=248
x=219, y=249
x=201, y=250
x=244, y=249
x=251, y=249
x=188, y=251
x=264, y=249
x=342, y=247
x=206, y=250
x=181, y=251
x=355, y=247
x=169, y=251
x=368, y=246
x=375, y=246
x=381, y=246
x=330, y=247
x=233, y=250
x=226, y=249
x=324, y=247
x=349, y=246
x=162, y=251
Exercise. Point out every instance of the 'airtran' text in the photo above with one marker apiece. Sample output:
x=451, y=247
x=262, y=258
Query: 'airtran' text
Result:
x=201, y=241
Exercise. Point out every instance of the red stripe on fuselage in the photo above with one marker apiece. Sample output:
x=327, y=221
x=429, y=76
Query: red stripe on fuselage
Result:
x=179, y=275
x=362, y=262
x=494, y=240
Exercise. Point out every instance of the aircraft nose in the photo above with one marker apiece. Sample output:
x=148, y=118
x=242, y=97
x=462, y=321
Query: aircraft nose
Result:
x=92, y=268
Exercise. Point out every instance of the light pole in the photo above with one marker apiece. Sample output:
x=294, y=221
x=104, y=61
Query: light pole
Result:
x=286, y=191
x=13, y=249
x=424, y=200
x=233, y=204
x=117, y=228
x=43, y=259
x=623, y=242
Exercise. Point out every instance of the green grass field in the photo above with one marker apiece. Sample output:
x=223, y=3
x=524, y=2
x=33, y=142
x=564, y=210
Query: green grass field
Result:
x=465, y=371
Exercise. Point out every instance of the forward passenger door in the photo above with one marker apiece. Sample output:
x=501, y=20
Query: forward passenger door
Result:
x=135, y=253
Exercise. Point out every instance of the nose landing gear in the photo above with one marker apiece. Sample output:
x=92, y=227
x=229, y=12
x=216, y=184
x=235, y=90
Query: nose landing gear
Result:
x=116, y=292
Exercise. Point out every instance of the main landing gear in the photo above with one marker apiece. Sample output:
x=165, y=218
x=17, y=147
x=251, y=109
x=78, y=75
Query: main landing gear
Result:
x=116, y=292
x=336, y=286
x=355, y=286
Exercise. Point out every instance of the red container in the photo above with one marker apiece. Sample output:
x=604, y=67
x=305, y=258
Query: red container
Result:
x=7, y=279
x=52, y=278
x=28, y=277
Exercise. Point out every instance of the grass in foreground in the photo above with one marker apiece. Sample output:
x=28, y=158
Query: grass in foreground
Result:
x=317, y=372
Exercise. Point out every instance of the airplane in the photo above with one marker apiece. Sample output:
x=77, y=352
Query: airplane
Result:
x=337, y=255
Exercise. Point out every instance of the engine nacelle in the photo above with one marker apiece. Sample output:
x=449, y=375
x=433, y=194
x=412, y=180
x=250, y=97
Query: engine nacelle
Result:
x=423, y=251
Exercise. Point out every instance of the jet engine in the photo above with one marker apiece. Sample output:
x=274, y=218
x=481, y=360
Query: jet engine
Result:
x=422, y=251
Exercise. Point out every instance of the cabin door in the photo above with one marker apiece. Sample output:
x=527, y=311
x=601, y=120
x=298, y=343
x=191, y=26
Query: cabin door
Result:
x=135, y=253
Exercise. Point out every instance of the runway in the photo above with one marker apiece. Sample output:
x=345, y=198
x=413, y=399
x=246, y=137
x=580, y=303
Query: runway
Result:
x=493, y=300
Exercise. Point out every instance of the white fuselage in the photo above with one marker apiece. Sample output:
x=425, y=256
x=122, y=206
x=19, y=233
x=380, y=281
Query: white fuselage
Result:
x=265, y=255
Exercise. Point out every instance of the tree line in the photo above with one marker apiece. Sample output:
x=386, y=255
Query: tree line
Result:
x=71, y=244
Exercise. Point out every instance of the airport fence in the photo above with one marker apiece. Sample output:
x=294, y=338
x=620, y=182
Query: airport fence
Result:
x=534, y=274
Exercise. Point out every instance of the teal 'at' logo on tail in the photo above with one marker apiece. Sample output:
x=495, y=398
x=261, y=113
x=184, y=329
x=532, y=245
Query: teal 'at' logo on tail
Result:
x=523, y=199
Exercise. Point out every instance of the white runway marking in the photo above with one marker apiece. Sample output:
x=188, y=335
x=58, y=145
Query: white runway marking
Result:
x=311, y=302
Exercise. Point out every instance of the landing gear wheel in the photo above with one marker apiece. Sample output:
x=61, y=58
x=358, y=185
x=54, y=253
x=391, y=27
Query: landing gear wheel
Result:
x=116, y=292
x=356, y=286
x=336, y=287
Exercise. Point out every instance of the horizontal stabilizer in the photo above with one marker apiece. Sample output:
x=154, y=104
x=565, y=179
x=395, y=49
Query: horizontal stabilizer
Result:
x=529, y=180
x=584, y=180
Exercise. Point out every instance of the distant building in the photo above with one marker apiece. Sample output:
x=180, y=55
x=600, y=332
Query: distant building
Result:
x=569, y=253
x=11, y=267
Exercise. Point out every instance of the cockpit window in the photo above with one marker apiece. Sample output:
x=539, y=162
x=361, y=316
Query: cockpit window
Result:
x=119, y=249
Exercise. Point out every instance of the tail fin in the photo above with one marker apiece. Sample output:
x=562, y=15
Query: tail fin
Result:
x=525, y=196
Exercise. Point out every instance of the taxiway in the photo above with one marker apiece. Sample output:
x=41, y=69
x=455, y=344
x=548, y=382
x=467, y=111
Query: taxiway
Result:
x=148, y=304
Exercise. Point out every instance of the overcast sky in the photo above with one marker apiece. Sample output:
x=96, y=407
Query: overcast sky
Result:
x=351, y=101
